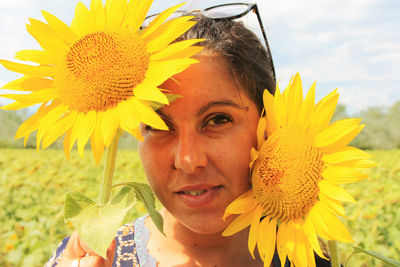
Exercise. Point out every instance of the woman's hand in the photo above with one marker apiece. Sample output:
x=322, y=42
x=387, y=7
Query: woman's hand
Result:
x=77, y=253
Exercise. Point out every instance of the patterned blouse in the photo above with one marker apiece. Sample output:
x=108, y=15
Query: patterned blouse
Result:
x=131, y=248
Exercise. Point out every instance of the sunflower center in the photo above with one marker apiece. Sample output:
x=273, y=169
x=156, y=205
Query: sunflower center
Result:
x=286, y=174
x=101, y=70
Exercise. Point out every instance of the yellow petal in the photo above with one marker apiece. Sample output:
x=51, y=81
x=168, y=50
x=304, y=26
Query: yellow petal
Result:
x=266, y=240
x=185, y=53
x=271, y=123
x=42, y=71
x=147, y=115
x=346, y=154
x=328, y=225
x=175, y=28
x=309, y=255
x=48, y=121
x=311, y=235
x=137, y=11
x=262, y=124
x=175, y=48
x=334, y=226
x=334, y=206
x=35, y=97
x=238, y=224
x=320, y=227
x=323, y=114
x=135, y=133
x=28, y=83
x=110, y=124
x=150, y=92
x=83, y=23
x=46, y=37
x=335, y=191
x=38, y=56
x=130, y=119
x=338, y=135
x=160, y=71
x=240, y=205
x=307, y=108
x=115, y=13
x=85, y=130
x=156, y=22
x=63, y=31
x=59, y=128
x=281, y=239
x=295, y=94
x=359, y=164
x=17, y=105
x=96, y=139
x=300, y=258
x=33, y=122
x=128, y=115
x=254, y=229
x=290, y=240
x=280, y=109
x=98, y=14
x=342, y=175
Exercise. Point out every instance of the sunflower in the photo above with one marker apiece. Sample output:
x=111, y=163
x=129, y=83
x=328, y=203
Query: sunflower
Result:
x=100, y=74
x=295, y=176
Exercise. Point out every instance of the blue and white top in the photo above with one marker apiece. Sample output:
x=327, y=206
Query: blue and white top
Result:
x=130, y=248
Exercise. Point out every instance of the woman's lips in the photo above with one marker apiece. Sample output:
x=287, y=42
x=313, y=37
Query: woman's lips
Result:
x=197, y=196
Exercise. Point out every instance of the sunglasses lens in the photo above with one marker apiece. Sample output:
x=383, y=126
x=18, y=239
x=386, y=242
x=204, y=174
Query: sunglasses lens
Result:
x=226, y=11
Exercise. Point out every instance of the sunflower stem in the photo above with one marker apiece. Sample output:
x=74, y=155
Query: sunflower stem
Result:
x=108, y=172
x=334, y=253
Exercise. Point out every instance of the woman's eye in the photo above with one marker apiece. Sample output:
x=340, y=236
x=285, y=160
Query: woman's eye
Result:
x=218, y=120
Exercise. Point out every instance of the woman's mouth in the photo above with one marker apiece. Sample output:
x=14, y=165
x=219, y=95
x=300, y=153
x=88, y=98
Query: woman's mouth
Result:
x=196, y=198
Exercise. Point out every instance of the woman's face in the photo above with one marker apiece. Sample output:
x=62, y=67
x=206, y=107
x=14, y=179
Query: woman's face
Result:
x=201, y=164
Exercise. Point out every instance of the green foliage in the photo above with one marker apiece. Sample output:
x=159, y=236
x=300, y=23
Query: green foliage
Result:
x=33, y=187
x=382, y=130
x=374, y=221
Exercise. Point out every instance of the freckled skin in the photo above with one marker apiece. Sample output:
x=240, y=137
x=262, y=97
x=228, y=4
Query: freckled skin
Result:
x=197, y=149
x=212, y=129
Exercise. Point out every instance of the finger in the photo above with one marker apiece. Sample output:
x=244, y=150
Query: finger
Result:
x=92, y=261
x=110, y=254
x=77, y=248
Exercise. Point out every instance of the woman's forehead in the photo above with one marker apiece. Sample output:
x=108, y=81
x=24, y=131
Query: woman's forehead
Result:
x=209, y=76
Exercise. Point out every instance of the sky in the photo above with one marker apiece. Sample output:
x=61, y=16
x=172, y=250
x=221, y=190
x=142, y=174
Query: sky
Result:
x=353, y=45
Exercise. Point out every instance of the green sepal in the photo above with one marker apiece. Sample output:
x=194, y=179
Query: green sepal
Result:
x=386, y=260
x=97, y=225
x=170, y=97
x=144, y=194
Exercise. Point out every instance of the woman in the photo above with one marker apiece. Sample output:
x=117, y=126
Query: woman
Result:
x=201, y=164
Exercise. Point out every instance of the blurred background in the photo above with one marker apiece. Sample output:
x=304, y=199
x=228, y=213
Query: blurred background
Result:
x=353, y=45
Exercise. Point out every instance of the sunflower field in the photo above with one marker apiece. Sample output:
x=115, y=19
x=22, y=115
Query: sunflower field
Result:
x=33, y=186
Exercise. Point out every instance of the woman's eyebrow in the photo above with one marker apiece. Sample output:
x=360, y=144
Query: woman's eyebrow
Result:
x=163, y=116
x=209, y=105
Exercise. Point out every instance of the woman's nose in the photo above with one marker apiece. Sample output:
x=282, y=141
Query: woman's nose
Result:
x=190, y=152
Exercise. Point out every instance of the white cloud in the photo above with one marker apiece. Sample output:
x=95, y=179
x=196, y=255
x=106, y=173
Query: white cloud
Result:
x=353, y=44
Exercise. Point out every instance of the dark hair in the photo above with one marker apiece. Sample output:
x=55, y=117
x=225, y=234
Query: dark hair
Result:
x=241, y=49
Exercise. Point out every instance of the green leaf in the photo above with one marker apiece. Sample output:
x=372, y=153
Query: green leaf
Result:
x=387, y=260
x=98, y=225
x=74, y=203
x=145, y=194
